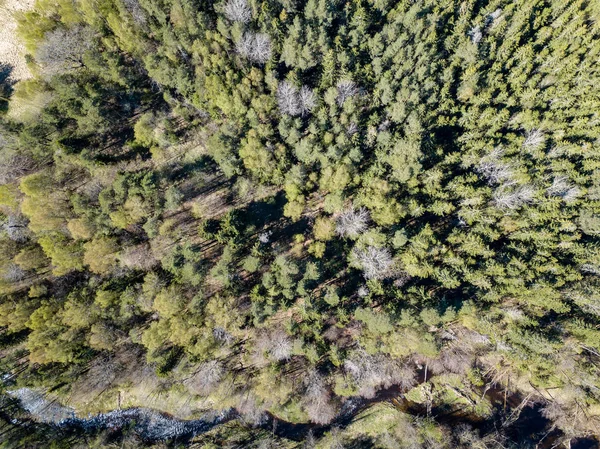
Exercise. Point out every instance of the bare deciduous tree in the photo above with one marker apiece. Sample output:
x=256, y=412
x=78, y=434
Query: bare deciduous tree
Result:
x=384, y=125
x=366, y=374
x=556, y=151
x=310, y=442
x=63, y=49
x=514, y=314
x=276, y=344
x=589, y=303
x=503, y=346
x=307, y=100
x=491, y=18
x=137, y=12
x=509, y=198
x=346, y=89
x=402, y=277
x=280, y=347
x=245, y=45
x=206, y=379
x=404, y=376
x=317, y=400
x=250, y=410
x=336, y=439
x=493, y=169
x=455, y=359
x=534, y=138
x=589, y=268
x=16, y=228
x=238, y=11
x=287, y=98
x=565, y=413
x=255, y=46
x=268, y=442
x=264, y=237
x=571, y=195
x=352, y=223
x=562, y=188
x=294, y=102
x=352, y=129
x=101, y=372
x=475, y=34
x=475, y=339
x=222, y=335
x=14, y=166
x=372, y=372
x=376, y=263
x=13, y=273
x=139, y=257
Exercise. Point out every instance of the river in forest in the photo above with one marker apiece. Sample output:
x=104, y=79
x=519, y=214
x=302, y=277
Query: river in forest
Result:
x=153, y=425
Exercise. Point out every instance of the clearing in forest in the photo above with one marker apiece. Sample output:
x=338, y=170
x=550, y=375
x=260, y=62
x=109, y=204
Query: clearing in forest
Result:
x=12, y=51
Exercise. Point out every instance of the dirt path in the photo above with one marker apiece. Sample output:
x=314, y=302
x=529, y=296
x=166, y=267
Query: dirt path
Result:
x=11, y=50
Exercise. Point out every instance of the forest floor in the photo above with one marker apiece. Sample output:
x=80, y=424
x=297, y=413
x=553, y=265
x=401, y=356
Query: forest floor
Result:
x=12, y=51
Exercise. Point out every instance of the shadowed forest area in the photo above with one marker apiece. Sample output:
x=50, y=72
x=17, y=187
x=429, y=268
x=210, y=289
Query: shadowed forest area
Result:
x=301, y=224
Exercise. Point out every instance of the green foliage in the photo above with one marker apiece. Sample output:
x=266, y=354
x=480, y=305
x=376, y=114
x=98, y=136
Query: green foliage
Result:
x=376, y=322
x=100, y=255
x=426, y=190
x=251, y=264
x=64, y=254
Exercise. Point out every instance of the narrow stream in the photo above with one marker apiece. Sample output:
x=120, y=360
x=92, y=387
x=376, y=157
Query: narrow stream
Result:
x=153, y=425
x=149, y=424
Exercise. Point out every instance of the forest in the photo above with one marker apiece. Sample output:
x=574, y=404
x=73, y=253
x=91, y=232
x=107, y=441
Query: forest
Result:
x=325, y=224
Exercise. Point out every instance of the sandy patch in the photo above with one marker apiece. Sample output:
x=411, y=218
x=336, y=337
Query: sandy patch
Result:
x=11, y=50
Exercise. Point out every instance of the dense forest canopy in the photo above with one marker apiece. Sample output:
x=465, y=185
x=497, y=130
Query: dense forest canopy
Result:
x=284, y=206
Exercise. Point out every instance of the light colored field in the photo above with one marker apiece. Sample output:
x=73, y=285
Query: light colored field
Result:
x=11, y=50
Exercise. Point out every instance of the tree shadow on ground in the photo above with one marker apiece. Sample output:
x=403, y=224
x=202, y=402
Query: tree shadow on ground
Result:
x=6, y=86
